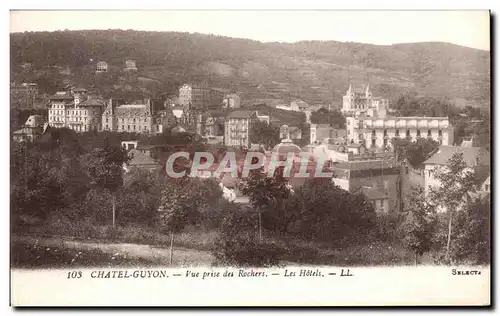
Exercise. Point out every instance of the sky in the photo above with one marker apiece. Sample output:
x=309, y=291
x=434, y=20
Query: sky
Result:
x=466, y=28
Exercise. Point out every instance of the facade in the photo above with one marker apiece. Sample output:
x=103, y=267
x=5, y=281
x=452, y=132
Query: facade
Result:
x=232, y=101
x=61, y=105
x=102, y=66
x=148, y=117
x=377, y=132
x=237, y=128
x=130, y=65
x=33, y=128
x=475, y=157
x=379, y=179
x=76, y=110
x=91, y=114
x=23, y=95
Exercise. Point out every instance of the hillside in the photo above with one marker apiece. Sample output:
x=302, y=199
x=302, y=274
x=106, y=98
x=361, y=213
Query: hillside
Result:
x=316, y=71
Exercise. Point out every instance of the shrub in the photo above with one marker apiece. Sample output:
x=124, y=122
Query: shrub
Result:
x=238, y=244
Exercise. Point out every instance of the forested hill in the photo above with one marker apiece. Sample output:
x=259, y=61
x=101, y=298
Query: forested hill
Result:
x=316, y=71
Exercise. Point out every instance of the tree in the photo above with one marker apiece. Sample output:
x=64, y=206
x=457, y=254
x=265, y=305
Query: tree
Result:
x=419, y=224
x=105, y=168
x=457, y=182
x=183, y=201
x=139, y=197
x=333, y=118
x=263, y=133
x=268, y=196
x=324, y=211
x=472, y=230
x=415, y=152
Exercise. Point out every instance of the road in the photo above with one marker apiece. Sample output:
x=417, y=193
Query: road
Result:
x=182, y=257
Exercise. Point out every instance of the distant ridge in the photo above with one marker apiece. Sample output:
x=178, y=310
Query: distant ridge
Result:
x=315, y=71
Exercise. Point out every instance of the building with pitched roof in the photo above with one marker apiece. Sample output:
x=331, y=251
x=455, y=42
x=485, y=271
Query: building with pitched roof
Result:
x=33, y=128
x=101, y=66
x=149, y=117
x=379, y=179
x=237, y=127
x=477, y=159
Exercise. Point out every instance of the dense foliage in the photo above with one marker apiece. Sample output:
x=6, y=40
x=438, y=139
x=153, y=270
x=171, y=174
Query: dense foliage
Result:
x=333, y=118
x=415, y=152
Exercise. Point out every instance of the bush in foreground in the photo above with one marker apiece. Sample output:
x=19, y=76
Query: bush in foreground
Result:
x=238, y=243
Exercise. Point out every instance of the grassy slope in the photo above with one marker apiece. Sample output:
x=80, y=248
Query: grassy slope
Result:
x=266, y=72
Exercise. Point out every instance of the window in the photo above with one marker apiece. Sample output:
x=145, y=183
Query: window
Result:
x=385, y=132
x=128, y=127
x=429, y=133
x=418, y=133
x=145, y=119
x=134, y=120
x=134, y=128
x=144, y=127
x=430, y=173
x=106, y=120
x=373, y=142
x=373, y=133
x=397, y=132
x=123, y=128
x=407, y=133
x=157, y=128
x=440, y=133
x=486, y=187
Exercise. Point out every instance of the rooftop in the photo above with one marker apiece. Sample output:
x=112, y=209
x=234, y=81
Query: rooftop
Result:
x=241, y=114
x=366, y=164
x=93, y=102
x=472, y=155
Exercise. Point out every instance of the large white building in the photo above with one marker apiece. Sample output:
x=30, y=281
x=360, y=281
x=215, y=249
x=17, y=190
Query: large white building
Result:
x=377, y=132
x=75, y=110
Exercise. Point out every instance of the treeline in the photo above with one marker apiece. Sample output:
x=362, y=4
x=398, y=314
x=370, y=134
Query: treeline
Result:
x=437, y=69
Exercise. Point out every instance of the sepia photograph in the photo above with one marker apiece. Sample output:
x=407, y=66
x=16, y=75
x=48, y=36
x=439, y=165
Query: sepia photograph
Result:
x=239, y=146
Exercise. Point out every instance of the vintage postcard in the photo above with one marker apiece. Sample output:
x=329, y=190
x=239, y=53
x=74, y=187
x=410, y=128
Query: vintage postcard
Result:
x=250, y=158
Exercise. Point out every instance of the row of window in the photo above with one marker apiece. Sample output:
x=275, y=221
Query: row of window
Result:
x=429, y=134
x=68, y=112
x=135, y=128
